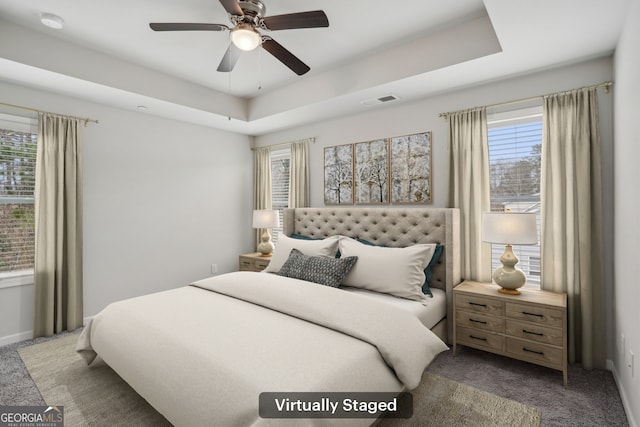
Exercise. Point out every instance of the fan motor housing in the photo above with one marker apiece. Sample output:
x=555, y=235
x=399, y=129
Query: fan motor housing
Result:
x=253, y=8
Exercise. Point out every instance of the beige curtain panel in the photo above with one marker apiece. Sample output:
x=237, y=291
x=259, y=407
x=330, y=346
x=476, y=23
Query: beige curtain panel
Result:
x=58, y=226
x=299, y=175
x=469, y=188
x=571, y=235
x=261, y=183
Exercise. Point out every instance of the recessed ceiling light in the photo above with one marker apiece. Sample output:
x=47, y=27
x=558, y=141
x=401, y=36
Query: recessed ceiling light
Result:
x=52, y=21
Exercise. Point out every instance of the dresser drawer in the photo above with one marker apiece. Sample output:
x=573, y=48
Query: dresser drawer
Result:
x=535, y=314
x=479, y=304
x=479, y=321
x=246, y=264
x=253, y=262
x=261, y=264
x=537, y=353
x=479, y=339
x=534, y=332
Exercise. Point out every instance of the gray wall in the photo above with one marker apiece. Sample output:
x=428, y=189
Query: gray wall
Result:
x=627, y=214
x=163, y=200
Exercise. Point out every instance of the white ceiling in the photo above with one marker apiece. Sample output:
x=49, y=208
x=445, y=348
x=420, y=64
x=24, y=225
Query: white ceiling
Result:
x=107, y=53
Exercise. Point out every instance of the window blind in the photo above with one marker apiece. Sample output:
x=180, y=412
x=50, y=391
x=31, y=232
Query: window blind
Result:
x=515, y=142
x=279, y=185
x=17, y=185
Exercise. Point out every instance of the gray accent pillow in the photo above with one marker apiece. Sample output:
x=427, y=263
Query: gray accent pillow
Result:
x=318, y=269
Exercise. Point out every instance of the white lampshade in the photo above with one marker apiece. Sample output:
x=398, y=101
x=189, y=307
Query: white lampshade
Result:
x=266, y=218
x=245, y=37
x=509, y=228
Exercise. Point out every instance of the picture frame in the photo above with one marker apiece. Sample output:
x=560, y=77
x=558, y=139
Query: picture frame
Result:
x=338, y=175
x=411, y=169
x=371, y=172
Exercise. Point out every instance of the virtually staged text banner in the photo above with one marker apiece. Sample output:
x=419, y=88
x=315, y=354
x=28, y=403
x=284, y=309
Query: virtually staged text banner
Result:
x=335, y=405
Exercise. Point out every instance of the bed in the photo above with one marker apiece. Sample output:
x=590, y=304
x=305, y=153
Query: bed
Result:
x=202, y=354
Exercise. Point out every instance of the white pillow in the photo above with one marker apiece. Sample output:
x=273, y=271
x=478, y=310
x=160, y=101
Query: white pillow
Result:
x=395, y=271
x=325, y=247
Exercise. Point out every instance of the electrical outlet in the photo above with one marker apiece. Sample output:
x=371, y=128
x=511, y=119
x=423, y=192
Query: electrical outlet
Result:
x=214, y=268
x=622, y=344
x=631, y=362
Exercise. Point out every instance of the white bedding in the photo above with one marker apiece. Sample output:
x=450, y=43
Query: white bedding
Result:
x=429, y=312
x=201, y=355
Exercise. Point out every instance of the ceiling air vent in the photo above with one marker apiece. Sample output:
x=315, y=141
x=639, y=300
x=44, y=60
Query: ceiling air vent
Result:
x=381, y=100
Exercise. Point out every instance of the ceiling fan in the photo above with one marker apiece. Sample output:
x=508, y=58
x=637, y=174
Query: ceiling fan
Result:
x=247, y=16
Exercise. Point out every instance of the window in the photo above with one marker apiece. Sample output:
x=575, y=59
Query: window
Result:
x=515, y=143
x=18, y=136
x=279, y=185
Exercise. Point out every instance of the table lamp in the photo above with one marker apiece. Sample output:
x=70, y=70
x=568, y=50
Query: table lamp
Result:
x=266, y=219
x=509, y=228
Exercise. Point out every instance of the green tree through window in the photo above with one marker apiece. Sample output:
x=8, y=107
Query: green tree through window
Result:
x=17, y=184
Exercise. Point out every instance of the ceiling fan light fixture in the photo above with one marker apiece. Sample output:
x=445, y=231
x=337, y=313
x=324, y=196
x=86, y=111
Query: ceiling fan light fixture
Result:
x=245, y=37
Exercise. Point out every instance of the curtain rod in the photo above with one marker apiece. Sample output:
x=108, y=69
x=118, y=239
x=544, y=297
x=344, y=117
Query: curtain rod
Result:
x=284, y=144
x=605, y=85
x=83, y=119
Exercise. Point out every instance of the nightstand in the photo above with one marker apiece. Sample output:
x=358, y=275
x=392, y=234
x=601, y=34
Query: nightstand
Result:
x=531, y=326
x=254, y=262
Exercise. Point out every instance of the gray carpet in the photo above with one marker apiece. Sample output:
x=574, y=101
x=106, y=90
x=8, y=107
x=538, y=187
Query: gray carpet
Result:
x=590, y=400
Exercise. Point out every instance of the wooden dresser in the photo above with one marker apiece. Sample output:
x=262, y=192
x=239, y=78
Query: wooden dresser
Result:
x=531, y=326
x=253, y=262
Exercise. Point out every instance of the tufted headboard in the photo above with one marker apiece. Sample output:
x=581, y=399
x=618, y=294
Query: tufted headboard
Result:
x=390, y=226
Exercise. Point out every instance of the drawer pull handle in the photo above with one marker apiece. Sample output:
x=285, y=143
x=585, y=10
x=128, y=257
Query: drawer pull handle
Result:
x=479, y=305
x=478, y=321
x=533, y=314
x=532, y=333
x=477, y=338
x=541, y=353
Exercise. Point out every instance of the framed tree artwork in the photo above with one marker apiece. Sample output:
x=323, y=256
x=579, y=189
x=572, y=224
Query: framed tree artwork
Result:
x=371, y=172
x=411, y=168
x=338, y=175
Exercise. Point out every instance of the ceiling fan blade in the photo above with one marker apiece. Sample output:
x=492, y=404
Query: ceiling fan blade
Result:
x=313, y=19
x=229, y=59
x=232, y=7
x=284, y=56
x=178, y=26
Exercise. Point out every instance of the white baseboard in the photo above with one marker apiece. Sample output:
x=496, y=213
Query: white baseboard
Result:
x=626, y=403
x=11, y=339
x=27, y=335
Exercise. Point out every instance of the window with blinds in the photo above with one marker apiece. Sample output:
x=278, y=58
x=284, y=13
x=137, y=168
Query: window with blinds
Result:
x=279, y=185
x=18, y=136
x=515, y=143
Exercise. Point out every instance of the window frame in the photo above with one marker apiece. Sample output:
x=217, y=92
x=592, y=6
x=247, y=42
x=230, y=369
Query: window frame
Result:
x=519, y=115
x=283, y=154
x=24, y=124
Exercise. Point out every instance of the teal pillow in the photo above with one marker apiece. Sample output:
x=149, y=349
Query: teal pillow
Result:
x=303, y=237
x=318, y=269
x=428, y=271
